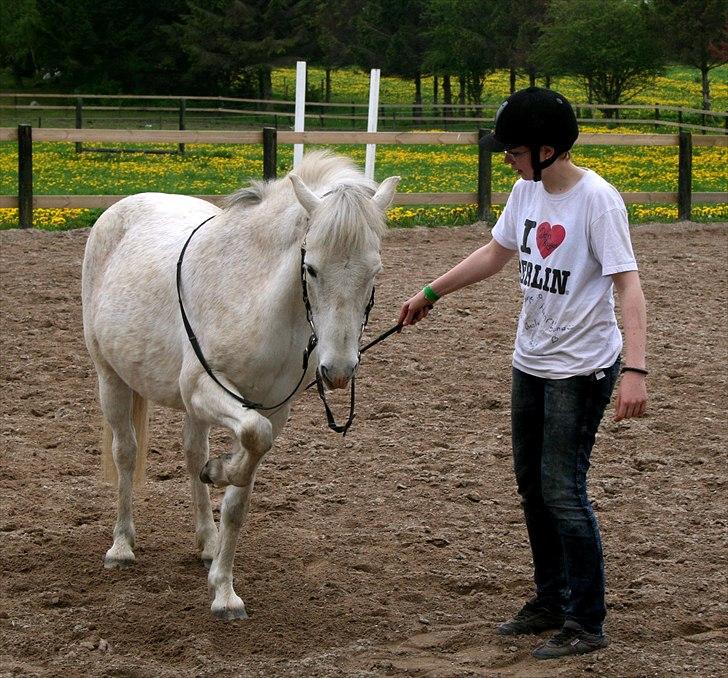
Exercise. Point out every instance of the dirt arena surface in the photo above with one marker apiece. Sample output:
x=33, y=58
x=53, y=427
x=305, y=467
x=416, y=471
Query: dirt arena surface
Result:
x=394, y=551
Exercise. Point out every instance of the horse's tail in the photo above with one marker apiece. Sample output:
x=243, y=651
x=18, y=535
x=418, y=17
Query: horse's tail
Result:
x=140, y=420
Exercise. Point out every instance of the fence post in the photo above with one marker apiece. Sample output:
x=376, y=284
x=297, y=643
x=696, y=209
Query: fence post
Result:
x=25, y=175
x=684, y=176
x=679, y=119
x=79, y=121
x=657, y=116
x=270, y=153
x=484, y=178
x=182, y=122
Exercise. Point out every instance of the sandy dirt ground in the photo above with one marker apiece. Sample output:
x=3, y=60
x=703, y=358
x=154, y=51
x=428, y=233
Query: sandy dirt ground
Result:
x=394, y=551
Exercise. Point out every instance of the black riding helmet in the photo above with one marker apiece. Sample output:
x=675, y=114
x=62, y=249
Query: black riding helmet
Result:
x=534, y=117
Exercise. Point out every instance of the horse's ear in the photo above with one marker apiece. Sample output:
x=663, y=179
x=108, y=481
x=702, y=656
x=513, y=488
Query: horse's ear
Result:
x=385, y=193
x=305, y=195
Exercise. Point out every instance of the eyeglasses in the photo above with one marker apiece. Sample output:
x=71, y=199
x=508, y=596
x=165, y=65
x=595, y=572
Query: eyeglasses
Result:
x=514, y=155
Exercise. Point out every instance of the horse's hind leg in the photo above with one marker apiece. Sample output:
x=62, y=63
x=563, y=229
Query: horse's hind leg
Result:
x=116, y=404
x=196, y=448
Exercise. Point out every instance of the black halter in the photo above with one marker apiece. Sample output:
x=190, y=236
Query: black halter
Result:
x=312, y=342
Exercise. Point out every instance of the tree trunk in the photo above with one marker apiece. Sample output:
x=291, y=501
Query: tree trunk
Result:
x=706, y=87
x=327, y=96
x=446, y=96
x=532, y=76
x=512, y=79
x=265, y=84
x=418, y=97
x=434, y=89
x=461, y=93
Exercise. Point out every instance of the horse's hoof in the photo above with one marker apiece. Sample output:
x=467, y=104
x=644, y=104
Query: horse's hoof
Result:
x=212, y=473
x=228, y=614
x=118, y=563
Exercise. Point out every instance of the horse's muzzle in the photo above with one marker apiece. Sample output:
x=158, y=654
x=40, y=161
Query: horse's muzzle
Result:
x=335, y=379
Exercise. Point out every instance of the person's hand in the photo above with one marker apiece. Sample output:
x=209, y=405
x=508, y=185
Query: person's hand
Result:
x=414, y=309
x=631, y=396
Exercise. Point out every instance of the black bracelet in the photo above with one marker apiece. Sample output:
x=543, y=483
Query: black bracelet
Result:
x=639, y=370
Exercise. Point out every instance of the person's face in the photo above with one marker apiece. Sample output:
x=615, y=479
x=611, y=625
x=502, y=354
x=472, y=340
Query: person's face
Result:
x=519, y=159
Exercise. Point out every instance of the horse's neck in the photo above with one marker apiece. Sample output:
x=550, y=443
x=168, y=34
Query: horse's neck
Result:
x=240, y=265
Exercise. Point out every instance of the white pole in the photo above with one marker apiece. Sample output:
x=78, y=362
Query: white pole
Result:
x=300, y=120
x=372, y=121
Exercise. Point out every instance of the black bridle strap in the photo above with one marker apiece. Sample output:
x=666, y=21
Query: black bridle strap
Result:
x=312, y=341
x=329, y=414
x=322, y=394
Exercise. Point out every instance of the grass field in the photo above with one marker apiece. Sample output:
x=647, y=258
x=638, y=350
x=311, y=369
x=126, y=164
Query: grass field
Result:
x=222, y=169
x=679, y=86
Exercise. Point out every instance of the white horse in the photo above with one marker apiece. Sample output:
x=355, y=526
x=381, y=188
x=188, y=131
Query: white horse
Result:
x=242, y=284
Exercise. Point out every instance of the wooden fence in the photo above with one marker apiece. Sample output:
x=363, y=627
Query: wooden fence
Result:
x=163, y=112
x=269, y=138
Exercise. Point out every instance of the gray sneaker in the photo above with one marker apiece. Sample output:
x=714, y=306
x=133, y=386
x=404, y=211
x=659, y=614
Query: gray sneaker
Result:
x=532, y=618
x=571, y=640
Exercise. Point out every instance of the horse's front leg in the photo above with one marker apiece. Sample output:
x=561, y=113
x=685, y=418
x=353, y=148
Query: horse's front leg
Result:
x=254, y=435
x=234, y=512
x=196, y=447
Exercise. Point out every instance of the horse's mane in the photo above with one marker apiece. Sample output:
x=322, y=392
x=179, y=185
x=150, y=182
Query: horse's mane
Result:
x=347, y=217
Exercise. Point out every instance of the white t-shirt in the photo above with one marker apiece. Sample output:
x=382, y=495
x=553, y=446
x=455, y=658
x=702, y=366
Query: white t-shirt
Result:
x=568, y=246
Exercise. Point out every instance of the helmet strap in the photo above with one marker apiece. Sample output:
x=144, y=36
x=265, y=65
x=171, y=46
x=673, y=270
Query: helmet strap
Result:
x=539, y=165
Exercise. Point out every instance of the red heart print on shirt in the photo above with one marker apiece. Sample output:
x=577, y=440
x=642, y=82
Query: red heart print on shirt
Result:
x=549, y=237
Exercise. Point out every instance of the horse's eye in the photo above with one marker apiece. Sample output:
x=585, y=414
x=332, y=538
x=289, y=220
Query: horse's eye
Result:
x=311, y=270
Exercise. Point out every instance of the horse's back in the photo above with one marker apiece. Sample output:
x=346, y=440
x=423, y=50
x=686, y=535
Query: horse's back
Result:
x=128, y=286
x=150, y=215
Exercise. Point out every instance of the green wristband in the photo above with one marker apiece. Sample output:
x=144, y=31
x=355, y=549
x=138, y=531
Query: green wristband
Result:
x=430, y=294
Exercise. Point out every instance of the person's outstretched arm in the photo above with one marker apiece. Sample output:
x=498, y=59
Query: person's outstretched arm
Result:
x=481, y=264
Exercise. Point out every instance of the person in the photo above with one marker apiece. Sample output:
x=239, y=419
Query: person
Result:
x=570, y=230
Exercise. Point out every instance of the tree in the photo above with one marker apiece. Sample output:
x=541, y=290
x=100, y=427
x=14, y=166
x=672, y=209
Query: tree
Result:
x=391, y=36
x=607, y=44
x=463, y=40
x=335, y=36
x=18, y=26
x=111, y=46
x=233, y=45
x=522, y=22
x=696, y=34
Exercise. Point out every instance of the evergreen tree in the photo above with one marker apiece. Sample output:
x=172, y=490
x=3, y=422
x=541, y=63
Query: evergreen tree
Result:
x=391, y=36
x=335, y=36
x=232, y=45
x=110, y=46
x=464, y=40
x=18, y=27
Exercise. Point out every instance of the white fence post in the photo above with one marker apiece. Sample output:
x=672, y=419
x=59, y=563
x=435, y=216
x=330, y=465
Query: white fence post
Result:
x=300, y=110
x=372, y=121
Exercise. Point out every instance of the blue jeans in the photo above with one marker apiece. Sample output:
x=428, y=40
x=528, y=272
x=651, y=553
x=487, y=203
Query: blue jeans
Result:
x=554, y=422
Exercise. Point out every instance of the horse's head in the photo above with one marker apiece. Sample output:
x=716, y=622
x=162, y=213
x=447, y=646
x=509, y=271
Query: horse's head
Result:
x=341, y=261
